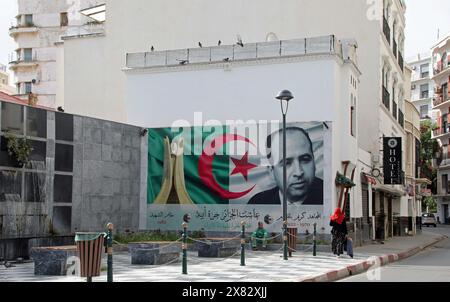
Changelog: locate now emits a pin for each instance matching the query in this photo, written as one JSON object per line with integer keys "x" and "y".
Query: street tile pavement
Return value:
{"x": 260, "y": 267}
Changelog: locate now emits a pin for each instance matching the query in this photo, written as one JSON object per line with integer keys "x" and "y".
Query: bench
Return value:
{"x": 52, "y": 261}
{"x": 218, "y": 247}
{"x": 154, "y": 252}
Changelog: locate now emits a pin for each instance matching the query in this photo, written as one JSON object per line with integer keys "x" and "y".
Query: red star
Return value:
{"x": 242, "y": 166}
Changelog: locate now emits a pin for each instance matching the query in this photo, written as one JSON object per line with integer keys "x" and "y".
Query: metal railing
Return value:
{"x": 386, "y": 98}
{"x": 227, "y": 53}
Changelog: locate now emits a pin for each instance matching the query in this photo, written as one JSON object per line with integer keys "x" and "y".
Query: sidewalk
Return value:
{"x": 260, "y": 266}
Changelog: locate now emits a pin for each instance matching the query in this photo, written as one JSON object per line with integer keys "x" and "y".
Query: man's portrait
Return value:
{"x": 302, "y": 185}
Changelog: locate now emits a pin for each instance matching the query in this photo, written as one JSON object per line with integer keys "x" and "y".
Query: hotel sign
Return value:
{"x": 392, "y": 160}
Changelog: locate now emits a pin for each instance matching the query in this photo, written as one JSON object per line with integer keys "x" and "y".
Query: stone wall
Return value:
{"x": 107, "y": 161}
{"x": 84, "y": 173}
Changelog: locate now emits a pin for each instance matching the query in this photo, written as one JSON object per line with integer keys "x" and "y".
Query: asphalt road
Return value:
{"x": 430, "y": 265}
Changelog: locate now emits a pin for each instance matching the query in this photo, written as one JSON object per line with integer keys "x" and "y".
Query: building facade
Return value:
{"x": 4, "y": 81}
{"x": 441, "y": 78}
{"x": 379, "y": 37}
{"x": 422, "y": 85}
{"x": 37, "y": 59}
{"x": 246, "y": 79}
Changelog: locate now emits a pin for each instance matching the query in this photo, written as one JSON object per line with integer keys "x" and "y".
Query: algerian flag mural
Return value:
{"x": 223, "y": 175}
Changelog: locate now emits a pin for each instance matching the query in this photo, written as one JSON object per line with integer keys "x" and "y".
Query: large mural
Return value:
{"x": 223, "y": 175}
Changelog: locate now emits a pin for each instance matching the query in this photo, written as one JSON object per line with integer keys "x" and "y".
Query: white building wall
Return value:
{"x": 180, "y": 24}
{"x": 245, "y": 91}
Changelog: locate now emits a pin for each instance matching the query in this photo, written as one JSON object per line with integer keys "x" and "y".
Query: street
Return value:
{"x": 430, "y": 265}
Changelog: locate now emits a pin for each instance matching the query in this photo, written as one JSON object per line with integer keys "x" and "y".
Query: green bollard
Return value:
{"x": 314, "y": 240}
{"x": 109, "y": 239}
{"x": 184, "y": 247}
{"x": 243, "y": 244}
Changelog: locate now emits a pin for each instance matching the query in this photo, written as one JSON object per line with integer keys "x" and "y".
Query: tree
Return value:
{"x": 429, "y": 148}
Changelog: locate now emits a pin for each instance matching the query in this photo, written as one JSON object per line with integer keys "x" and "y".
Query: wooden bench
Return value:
{"x": 52, "y": 261}
{"x": 218, "y": 247}
{"x": 154, "y": 252}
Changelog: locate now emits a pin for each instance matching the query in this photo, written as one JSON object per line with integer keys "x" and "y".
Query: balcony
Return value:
{"x": 386, "y": 30}
{"x": 15, "y": 64}
{"x": 386, "y": 98}
{"x": 401, "y": 118}
{"x": 26, "y": 28}
{"x": 441, "y": 70}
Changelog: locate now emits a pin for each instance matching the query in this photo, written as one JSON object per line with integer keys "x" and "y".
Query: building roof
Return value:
{"x": 4, "y": 97}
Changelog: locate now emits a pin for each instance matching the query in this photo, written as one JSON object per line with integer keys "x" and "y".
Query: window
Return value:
{"x": 444, "y": 60}
{"x": 424, "y": 70}
{"x": 445, "y": 91}
{"x": 27, "y": 87}
{"x": 353, "y": 117}
{"x": 394, "y": 110}
{"x": 424, "y": 91}
{"x": 423, "y": 111}
{"x": 64, "y": 20}
{"x": 444, "y": 183}
{"x": 28, "y": 54}
{"x": 29, "y": 20}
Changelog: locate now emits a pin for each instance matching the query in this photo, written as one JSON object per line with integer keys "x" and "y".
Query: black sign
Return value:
{"x": 392, "y": 160}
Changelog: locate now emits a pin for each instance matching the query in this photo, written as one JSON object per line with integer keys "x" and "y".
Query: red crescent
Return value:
{"x": 206, "y": 162}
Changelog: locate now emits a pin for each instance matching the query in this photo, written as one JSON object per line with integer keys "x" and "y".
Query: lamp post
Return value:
{"x": 284, "y": 97}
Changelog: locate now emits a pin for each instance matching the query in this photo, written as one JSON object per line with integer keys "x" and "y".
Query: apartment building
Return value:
{"x": 37, "y": 61}
{"x": 422, "y": 85}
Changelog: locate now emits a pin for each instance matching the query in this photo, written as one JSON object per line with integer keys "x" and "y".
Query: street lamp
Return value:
{"x": 284, "y": 97}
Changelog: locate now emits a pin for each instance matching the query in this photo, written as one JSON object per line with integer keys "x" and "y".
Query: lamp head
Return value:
{"x": 284, "y": 95}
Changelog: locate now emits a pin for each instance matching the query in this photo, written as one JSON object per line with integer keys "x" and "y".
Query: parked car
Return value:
{"x": 429, "y": 219}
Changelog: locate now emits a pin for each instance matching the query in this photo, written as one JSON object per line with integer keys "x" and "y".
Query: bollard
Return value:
{"x": 184, "y": 247}
{"x": 314, "y": 240}
{"x": 109, "y": 243}
{"x": 285, "y": 242}
{"x": 243, "y": 244}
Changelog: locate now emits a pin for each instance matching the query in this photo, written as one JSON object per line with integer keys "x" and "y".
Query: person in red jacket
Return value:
{"x": 338, "y": 232}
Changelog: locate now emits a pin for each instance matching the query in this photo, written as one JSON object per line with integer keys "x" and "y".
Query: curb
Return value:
{"x": 376, "y": 261}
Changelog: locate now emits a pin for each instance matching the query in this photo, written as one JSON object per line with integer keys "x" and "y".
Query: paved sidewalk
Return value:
{"x": 260, "y": 266}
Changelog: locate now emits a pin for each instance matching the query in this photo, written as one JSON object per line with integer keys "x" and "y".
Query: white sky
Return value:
{"x": 423, "y": 17}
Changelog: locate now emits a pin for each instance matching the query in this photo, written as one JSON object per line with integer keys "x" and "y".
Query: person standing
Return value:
{"x": 338, "y": 232}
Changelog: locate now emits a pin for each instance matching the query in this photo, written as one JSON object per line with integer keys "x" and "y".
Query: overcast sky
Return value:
{"x": 423, "y": 17}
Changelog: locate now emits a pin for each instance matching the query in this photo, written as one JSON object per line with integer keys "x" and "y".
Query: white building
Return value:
{"x": 136, "y": 26}
{"x": 234, "y": 83}
{"x": 40, "y": 25}
{"x": 422, "y": 85}
{"x": 4, "y": 81}
{"x": 441, "y": 78}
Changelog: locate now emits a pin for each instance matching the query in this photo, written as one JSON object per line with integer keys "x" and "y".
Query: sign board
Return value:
{"x": 392, "y": 160}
